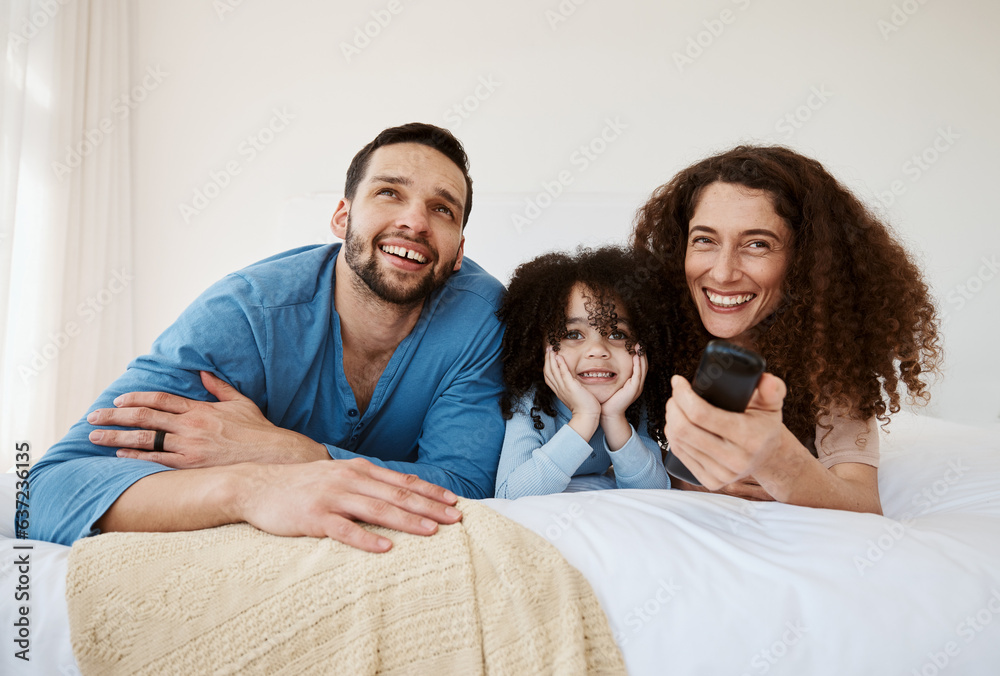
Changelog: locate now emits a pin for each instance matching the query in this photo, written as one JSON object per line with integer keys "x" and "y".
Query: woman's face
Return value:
{"x": 738, "y": 250}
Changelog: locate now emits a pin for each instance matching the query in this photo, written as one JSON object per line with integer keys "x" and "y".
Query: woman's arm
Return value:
{"x": 720, "y": 448}
{"x": 795, "y": 477}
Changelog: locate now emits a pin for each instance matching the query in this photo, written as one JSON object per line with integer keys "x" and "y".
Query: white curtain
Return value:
{"x": 65, "y": 233}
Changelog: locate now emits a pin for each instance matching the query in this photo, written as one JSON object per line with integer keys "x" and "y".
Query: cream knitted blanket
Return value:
{"x": 484, "y": 596}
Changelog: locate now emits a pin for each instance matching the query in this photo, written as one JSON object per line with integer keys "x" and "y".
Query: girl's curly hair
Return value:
{"x": 856, "y": 318}
{"x": 534, "y": 310}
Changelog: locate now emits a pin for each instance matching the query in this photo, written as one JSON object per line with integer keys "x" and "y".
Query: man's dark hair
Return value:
{"x": 437, "y": 138}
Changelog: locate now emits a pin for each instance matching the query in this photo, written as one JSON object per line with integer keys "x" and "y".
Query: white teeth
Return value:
{"x": 729, "y": 301}
{"x": 597, "y": 374}
{"x": 404, "y": 253}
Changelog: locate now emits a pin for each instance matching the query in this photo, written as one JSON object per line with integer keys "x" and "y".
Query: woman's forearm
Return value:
{"x": 795, "y": 477}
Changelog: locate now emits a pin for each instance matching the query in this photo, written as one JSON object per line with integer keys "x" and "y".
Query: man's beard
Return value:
{"x": 368, "y": 270}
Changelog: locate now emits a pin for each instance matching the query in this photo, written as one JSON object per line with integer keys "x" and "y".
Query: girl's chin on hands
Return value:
{"x": 571, "y": 392}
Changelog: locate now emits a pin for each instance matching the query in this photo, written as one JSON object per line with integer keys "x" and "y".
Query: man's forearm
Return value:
{"x": 451, "y": 477}
{"x": 322, "y": 499}
{"x": 178, "y": 501}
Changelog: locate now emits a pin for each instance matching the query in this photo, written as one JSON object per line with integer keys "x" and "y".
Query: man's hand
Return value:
{"x": 199, "y": 433}
{"x": 317, "y": 499}
{"x": 323, "y": 499}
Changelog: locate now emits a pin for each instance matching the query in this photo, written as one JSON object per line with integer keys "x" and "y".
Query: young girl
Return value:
{"x": 574, "y": 369}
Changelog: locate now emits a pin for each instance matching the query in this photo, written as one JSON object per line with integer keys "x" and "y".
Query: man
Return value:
{"x": 384, "y": 348}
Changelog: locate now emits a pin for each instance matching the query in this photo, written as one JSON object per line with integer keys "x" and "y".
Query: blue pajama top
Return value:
{"x": 271, "y": 330}
{"x": 539, "y": 462}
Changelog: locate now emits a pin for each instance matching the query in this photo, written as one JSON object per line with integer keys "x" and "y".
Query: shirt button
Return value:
{"x": 353, "y": 412}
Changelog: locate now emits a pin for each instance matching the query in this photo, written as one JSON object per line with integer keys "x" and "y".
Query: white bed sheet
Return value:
{"x": 705, "y": 584}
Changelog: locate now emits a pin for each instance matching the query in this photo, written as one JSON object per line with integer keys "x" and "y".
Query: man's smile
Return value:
{"x": 402, "y": 252}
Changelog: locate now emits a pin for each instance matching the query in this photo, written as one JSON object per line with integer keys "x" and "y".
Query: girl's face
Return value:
{"x": 601, "y": 363}
{"x": 738, "y": 251}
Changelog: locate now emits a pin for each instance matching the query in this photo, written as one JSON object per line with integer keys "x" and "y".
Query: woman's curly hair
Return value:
{"x": 534, "y": 310}
{"x": 856, "y": 319}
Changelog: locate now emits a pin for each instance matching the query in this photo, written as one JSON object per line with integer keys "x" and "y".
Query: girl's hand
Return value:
{"x": 720, "y": 447}
{"x": 617, "y": 429}
{"x": 582, "y": 404}
{"x": 616, "y": 405}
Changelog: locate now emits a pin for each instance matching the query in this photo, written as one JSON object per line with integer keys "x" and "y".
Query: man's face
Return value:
{"x": 402, "y": 230}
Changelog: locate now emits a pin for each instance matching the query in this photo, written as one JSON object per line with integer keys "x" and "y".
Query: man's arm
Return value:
{"x": 199, "y": 433}
{"x": 76, "y": 481}
{"x": 203, "y": 434}
{"x": 319, "y": 499}
{"x": 458, "y": 448}
{"x": 79, "y": 486}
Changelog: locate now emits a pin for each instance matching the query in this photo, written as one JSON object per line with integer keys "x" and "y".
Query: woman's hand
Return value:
{"x": 583, "y": 405}
{"x": 721, "y": 447}
{"x": 199, "y": 433}
{"x": 752, "y": 454}
{"x": 746, "y": 488}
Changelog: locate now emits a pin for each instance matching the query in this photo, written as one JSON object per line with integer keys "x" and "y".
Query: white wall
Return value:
{"x": 886, "y": 95}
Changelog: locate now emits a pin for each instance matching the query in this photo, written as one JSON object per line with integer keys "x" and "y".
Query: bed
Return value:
{"x": 708, "y": 584}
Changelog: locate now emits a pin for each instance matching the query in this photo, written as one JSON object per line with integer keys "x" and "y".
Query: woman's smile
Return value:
{"x": 737, "y": 254}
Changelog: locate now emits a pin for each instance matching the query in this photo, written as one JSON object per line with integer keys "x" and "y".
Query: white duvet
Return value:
{"x": 705, "y": 584}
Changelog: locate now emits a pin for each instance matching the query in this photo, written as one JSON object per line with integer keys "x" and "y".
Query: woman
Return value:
{"x": 769, "y": 251}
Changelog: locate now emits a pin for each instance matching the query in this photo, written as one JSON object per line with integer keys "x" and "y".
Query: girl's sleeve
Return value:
{"x": 639, "y": 464}
{"x": 531, "y": 466}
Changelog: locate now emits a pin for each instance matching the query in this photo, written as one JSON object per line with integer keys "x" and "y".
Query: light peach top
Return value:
{"x": 841, "y": 444}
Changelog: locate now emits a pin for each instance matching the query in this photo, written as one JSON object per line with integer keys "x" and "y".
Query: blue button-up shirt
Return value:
{"x": 272, "y": 331}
